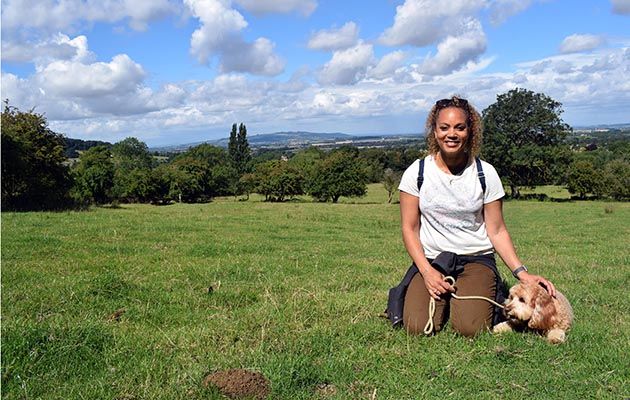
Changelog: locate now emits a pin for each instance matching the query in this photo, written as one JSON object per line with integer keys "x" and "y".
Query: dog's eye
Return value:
{"x": 522, "y": 300}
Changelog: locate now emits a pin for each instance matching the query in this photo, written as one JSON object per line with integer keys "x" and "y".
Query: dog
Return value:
{"x": 529, "y": 306}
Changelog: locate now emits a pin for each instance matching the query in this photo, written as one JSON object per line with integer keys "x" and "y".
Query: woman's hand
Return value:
{"x": 435, "y": 283}
{"x": 526, "y": 277}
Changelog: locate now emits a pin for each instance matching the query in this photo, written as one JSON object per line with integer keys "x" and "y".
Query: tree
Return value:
{"x": 202, "y": 173}
{"x": 521, "y": 131}
{"x": 583, "y": 178}
{"x": 617, "y": 179}
{"x": 160, "y": 185}
{"x": 239, "y": 151}
{"x": 133, "y": 164}
{"x": 341, "y": 173}
{"x": 34, "y": 174}
{"x": 233, "y": 145}
{"x": 391, "y": 180}
{"x": 94, "y": 176}
{"x": 247, "y": 184}
{"x": 277, "y": 180}
{"x": 244, "y": 152}
{"x": 131, "y": 153}
{"x": 305, "y": 161}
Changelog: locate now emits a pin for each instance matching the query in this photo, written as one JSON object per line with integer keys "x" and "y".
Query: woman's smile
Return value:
{"x": 451, "y": 131}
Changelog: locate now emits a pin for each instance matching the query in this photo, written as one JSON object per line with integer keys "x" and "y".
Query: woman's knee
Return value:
{"x": 415, "y": 324}
{"x": 471, "y": 329}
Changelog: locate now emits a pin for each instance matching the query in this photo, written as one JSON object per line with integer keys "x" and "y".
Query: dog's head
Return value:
{"x": 531, "y": 304}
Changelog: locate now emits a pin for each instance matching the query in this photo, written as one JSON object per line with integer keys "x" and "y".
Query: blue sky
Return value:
{"x": 171, "y": 72}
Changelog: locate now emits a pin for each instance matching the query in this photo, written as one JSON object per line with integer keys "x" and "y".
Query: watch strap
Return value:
{"x": 519, "y": 270}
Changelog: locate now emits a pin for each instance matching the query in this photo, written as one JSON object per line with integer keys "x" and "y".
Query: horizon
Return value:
{"x": 172, "y": 72}
{"x": 215, "y": 141}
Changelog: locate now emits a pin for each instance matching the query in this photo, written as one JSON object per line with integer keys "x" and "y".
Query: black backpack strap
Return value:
{"x": 420, "y": 174}
{"x": 480, "y": 174}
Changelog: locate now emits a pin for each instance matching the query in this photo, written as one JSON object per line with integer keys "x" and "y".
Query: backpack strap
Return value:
{"x": 480, "y": 175}
{"x": 421, "y": 174}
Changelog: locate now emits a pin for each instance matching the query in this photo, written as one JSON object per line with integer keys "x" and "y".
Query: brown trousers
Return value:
{"x": 468, "y": 317}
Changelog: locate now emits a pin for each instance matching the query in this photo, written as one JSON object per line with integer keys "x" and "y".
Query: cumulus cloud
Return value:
{"x": 456, "y": 51}
{"x": 304, "y": 7}
{"x": 335, "y": 39}
{"x": 420, "y": 22}
{"x": 57, "y": 47}
{"x": 387, "y": 65}
{"x": 71, "y": 78}
{"x": 501, "y": 10}
{"x": 58, "y": 15}
{"x": 219, "y": 35}
{"x": 75, "y": 86}
{"x": 621, "y": 7}
{"x": 347, "y": 66}
{"x": 576, "y": 43}
{"x": 257, "y": 58}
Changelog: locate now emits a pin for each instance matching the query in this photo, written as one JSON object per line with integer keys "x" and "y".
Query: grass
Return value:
{"x": 116, "y": 304}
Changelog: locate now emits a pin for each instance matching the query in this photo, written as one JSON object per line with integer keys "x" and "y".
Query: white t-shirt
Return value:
{"x": 451, "y": 207}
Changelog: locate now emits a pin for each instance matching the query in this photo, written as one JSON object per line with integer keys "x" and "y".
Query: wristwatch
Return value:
{"x": 519, "y": 270}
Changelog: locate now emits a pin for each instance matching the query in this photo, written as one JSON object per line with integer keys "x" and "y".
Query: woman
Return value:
{"x": 454, "y": 215}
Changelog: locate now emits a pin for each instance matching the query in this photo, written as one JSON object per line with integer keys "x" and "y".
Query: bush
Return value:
{"x": 617, "y": 179}
{"x": 583, "y": 179}
{"x": 34, "y": 174}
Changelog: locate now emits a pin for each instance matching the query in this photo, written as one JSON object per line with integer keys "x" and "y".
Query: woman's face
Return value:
{"x": 451, "y": 131}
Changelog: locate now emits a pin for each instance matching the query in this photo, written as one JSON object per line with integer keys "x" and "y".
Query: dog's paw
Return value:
{"x": 502, "y": 327}
{"x": 556, "y": 336}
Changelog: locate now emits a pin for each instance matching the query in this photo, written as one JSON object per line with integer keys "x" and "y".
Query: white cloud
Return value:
{"x": 621, "y": 6}
{"x": 257, "y": 58}
{"x": 347, "y": 66}
{"x": 218, "y": 21}
{"x": 501, "y": 10}
{"x": 71, "y": 78}
{"x": 576, "y": 43}
{"x": 304, "y": 7}
{"x": 387, "y": 65}
{"x": 335, "y": 39}
{"x": 421, "y": 22}
{"x": 456, "y": 51}
{"x": 55, "y": 15}
{"x": 78, "y": 88}
{"x": 219, "y": 35}
{"x": 57, "y": 47}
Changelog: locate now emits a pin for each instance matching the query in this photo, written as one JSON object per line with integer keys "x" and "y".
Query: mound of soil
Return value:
{"x": 239, "y": 383}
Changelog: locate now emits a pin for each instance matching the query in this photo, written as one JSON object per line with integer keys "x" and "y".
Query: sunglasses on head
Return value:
{"x": 457, "y": 102}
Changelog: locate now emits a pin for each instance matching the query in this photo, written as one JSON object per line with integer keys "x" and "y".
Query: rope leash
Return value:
{"x": 428, "y": 328}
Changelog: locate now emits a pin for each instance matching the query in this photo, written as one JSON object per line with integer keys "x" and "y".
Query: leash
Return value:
{"x": 428, "y": 328}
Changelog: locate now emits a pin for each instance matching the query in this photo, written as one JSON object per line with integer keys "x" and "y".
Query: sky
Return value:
{"x": 174, "y": 72}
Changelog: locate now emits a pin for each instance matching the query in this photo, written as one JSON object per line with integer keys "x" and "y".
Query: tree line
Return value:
{"x": 524, "y": 138}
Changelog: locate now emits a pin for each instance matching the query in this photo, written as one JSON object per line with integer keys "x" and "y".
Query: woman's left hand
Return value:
{"x": 539, "y": 280}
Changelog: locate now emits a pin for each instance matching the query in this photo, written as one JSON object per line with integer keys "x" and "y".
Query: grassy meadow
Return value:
{"x": 142, "y": 302}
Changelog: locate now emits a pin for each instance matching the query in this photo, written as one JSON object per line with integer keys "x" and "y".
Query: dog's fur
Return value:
{"x": 529, "y": 306}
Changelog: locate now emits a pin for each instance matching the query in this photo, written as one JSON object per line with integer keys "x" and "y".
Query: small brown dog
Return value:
{"x": 530, "y": 306}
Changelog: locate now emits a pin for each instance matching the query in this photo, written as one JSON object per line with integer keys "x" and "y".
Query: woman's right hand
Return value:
{"x": 435, "y": 283}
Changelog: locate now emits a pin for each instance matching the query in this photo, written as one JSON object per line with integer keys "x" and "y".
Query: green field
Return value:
{"x": 297, "y": 289}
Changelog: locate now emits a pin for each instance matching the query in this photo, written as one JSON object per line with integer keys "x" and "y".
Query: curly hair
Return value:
{"x": 473, "y": 120}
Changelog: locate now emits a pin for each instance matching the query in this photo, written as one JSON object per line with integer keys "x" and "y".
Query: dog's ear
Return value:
{"x": 544, "y": 310}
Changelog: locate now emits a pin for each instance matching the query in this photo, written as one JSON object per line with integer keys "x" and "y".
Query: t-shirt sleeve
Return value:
{"x": 409, "y": 180}
{"x": 494, "y": 187}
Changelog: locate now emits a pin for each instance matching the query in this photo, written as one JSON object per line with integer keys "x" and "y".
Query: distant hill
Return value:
{"x": 276, "y": 139}
{"x": 288, "y": 138}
